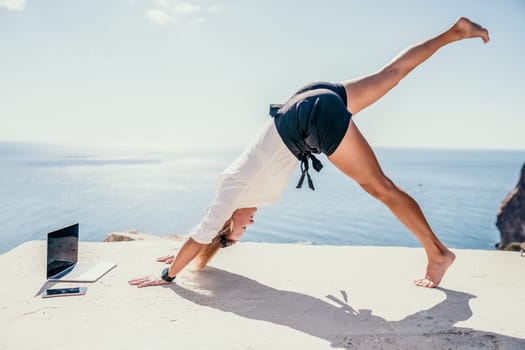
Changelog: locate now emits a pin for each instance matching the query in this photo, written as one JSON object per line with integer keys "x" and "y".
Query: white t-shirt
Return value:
{"x": 257, "y": 177}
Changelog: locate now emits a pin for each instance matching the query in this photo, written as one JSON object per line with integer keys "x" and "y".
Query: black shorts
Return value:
{"x": 314, "y": 119}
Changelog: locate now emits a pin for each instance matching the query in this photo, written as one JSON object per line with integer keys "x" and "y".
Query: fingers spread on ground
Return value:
{"x": 166, "y": 259}
{"x": 138, "y": 280}
{"x": 153, "y": 283}
{"x": 145, "y": 284}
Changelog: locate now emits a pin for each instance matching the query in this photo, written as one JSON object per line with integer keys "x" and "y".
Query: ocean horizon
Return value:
{"x": 162, "y": 192}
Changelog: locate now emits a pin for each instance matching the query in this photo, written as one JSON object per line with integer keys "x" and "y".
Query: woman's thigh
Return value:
{"x": 365, "y": 91}
{"x": 355, "y": 158}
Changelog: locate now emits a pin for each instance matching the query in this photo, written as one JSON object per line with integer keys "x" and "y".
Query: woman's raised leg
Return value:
{"x": 362, "y": 92}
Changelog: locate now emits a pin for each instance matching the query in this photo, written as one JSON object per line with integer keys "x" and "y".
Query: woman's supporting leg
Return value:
{"x": 362, "y": 92}
{"x": 355, "y": 158}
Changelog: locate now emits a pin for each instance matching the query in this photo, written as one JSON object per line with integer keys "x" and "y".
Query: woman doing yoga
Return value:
{"x": 317, "y": 119}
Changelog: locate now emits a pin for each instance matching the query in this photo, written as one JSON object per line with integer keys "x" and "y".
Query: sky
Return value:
{"x": 201, "y": 73}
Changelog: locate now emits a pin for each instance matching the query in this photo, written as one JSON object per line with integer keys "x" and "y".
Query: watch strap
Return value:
{"x": 165, "y": 275}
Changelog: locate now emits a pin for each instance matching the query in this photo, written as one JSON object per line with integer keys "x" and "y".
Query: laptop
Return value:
{"x": 62, "y": 257}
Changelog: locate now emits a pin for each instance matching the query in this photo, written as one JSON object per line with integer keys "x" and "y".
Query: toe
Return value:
{"x": 428, "y": 284}
{"x": 419, "y": 282}
{"x": 425, "y": 283}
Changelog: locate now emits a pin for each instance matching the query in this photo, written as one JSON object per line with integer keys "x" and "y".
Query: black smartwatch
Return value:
{"x": 165, "y": 275}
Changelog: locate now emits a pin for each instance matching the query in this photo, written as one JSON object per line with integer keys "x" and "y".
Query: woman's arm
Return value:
{"x": 217, "y": 214}
{"x": 186, "y": 254}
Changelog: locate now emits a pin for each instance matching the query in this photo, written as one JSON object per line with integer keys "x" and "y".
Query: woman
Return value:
{"x": 317, "y": 119}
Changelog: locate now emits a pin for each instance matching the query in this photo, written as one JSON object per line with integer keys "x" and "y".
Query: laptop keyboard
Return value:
{"x": 89, "y": 271}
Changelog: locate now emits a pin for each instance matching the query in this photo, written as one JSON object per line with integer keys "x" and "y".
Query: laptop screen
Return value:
{"x": 62, "y": 250}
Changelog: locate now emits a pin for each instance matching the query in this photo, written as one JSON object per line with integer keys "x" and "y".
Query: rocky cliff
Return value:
{"x": 511, "y": 215}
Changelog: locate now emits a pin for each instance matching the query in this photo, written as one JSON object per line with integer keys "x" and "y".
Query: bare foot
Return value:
{"x": 435, "y": 270}
{"x": 465, "y": 28}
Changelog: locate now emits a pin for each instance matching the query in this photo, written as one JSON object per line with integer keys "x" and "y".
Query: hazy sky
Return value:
{"x": 202, "y": 72}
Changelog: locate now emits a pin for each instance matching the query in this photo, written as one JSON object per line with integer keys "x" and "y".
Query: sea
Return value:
{"x": 167, "y": 191}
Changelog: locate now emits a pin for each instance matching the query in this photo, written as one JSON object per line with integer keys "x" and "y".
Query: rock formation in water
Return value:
{"x": 133, "y": 235}
{"x": 511, "y": 215}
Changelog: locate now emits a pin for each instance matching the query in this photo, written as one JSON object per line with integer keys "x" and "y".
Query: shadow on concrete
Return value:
{"x": 341, "y": 325}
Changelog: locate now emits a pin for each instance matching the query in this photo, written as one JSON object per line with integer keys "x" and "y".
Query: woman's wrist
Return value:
{"x": 165, "y": 275}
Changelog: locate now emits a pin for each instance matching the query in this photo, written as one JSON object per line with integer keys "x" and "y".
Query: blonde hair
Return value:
{"x": 209, "y": 250}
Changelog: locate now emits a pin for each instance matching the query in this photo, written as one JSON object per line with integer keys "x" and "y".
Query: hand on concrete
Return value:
{"x": 147, "y": 282}
{"x": 168, "y": 259}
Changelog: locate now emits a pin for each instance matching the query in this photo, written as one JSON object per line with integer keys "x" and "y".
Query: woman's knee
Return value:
{"x": 383, "y": 189}
{"x": 392, "y": 75}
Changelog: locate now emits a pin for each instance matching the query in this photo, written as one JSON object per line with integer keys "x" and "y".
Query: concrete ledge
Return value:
{"x": 268, "y": 296}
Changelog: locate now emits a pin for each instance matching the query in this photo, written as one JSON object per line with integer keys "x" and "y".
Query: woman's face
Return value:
{"x": 242, "y": 218}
